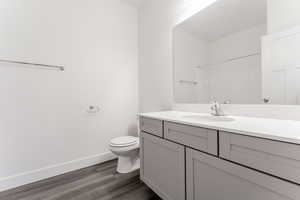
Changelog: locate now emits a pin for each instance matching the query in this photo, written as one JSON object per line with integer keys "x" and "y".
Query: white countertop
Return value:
{"x": 281, "y": 130}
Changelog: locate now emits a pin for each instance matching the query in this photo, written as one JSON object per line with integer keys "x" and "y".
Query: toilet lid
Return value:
{"x": 124, "y": 141}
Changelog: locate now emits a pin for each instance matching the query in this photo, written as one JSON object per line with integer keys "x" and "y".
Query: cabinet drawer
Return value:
{"x": 212, "y": 178}
{"x": 277, "y": 158}
{"x": 199, "y": 138}
{"x": 152, "y": 126}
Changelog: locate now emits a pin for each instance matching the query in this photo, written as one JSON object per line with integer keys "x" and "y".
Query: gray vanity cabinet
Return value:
{"x": 183, "y": 162}
{"x": 211, "y": 178}
{"x": 163, "y": 166}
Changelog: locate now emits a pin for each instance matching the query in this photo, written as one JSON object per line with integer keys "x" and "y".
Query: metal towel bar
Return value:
{"x": 188, "y": 82}
{"x": 61, "y": 68}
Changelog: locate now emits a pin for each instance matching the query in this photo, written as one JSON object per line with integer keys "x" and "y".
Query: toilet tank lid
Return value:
{"x": 124, "y": 141}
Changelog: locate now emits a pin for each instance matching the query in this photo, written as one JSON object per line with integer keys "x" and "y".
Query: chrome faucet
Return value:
{"x": 217, "y": 109}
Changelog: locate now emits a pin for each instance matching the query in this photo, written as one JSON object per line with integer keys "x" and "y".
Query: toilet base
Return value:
{"x": 128, "y": 164}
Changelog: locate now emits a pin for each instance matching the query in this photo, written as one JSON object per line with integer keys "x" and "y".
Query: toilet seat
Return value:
{"x": 124, "y": 141}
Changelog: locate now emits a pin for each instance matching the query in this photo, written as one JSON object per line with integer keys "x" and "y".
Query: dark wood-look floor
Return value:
{"x": 99, "y": 182}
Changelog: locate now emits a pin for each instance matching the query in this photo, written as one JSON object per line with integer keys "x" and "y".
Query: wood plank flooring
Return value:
{"x": 99, "y": 182}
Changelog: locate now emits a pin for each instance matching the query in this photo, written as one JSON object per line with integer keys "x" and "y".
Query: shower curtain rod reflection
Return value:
{"x": 42, "y": 66}
{"x": 231, "y": 59}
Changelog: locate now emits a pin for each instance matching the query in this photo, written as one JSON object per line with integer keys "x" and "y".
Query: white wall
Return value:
{"x": 189, "y": 52}
{"x": 155, "y": 57}
{"x": 44, "y": 127}
{"x": 283, "y": 14}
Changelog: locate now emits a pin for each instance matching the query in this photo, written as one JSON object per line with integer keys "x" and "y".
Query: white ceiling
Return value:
{"x": 225, "y": 17}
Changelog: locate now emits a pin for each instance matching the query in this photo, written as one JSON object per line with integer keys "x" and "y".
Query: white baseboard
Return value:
{"x": 54, "y": 170}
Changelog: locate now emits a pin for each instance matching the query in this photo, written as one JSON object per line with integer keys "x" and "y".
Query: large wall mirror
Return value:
{"x": 222, "y": 53}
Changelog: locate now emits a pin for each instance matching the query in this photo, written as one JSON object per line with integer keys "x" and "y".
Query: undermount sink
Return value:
{"x": 210, "y": 118}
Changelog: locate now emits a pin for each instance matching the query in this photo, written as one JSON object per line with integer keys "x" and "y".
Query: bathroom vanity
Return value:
{"x": 197, "y": 156}
{"x": 226, "y": 53}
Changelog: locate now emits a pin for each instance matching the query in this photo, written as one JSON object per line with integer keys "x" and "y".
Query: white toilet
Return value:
{"x": 127, "y": 150}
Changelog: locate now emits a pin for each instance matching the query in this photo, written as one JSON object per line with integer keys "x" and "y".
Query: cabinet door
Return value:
{"x": 162, "y": 167}
{"x": 211, "y": 178}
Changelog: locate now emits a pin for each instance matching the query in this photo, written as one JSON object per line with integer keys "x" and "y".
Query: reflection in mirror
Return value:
{"x": 217, "y": 53}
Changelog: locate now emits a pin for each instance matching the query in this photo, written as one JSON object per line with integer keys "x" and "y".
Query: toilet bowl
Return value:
{"x": 127, "y": 150}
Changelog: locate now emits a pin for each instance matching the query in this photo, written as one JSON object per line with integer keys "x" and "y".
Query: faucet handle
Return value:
{"x": 215, "y": 104}
{"x": 216, "y": 108}
{"x": 227, "y": 102}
